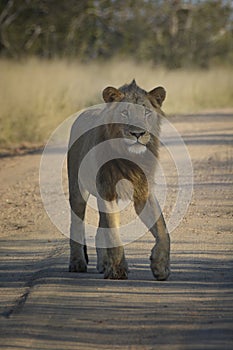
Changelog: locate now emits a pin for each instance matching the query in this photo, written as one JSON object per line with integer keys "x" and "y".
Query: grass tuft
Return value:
{"x": 36, "y": 95}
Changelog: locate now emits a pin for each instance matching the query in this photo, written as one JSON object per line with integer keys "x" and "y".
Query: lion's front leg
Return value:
{"x": 117, "y": 267}
{"x": 110, "y": 252}
{"x": 78, "y": 257}
{"x": 78, "y": 249}
{"x": 150, "y": 213}
{"x": 101, "y": 250}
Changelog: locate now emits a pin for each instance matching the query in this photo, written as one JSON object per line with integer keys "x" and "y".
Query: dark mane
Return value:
{"x": 131, "y": 90}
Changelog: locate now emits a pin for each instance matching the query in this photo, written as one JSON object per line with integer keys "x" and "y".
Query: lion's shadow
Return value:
{"x": 87, "y": 311}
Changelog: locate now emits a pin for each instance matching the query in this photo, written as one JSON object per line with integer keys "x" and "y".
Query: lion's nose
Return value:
{"x": 137, "y": 134}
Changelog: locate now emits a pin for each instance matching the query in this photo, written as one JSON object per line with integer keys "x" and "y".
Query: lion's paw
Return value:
{"x": 78, "y": 266}
{"x": 160, "y": 264}
{"x": 160, "y": 274}
{"x": 100, "y": 267}
{"x": 116, "y": 273}
{"x": 102, "y": 260}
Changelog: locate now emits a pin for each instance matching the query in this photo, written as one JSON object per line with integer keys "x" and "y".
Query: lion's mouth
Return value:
{"x": 137, "y": 148}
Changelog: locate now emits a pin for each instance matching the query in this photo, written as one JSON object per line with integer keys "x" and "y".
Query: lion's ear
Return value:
{"x": 158, "y": 94}
{"x": 111, "y": 94}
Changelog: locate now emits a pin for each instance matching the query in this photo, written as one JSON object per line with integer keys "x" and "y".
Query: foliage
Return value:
{"x": 174, "y": 33}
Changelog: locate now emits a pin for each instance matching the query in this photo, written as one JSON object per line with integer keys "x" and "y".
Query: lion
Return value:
{"x": 128, "y": 126}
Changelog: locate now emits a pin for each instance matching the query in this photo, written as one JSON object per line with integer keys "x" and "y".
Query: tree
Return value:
{"x": 175, "y": 33}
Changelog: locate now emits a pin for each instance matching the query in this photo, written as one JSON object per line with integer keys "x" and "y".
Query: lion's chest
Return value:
{"x": 121, "y": 179}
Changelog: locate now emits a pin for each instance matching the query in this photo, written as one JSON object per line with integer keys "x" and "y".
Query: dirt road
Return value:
{"x": 43, "y": 306}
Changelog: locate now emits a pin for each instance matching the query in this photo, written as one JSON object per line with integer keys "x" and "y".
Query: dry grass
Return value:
{"x": 35, "y": 96}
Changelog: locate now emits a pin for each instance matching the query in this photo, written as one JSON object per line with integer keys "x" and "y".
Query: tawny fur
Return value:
{"x": 141, "y": 135}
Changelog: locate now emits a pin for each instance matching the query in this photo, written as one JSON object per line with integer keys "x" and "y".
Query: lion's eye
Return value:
{"x": 124, "y": 113}
{"x": 148, "y": 112}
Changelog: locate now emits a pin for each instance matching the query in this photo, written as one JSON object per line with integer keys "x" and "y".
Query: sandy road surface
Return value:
{"x": 45, "y": 307}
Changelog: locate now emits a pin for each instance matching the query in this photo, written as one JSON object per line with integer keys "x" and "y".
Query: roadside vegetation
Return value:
{"x": 56, "y": 57}
{"x": 36, "y": 95}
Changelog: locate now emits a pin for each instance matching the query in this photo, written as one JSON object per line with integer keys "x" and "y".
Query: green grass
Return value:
{"x": 35, "y": 95}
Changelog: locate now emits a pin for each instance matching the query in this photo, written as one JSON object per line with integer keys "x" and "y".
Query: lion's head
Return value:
{"x": 136, "y": 118}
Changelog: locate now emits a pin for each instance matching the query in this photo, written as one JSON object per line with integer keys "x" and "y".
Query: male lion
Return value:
{"x": 131, "y": 130}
